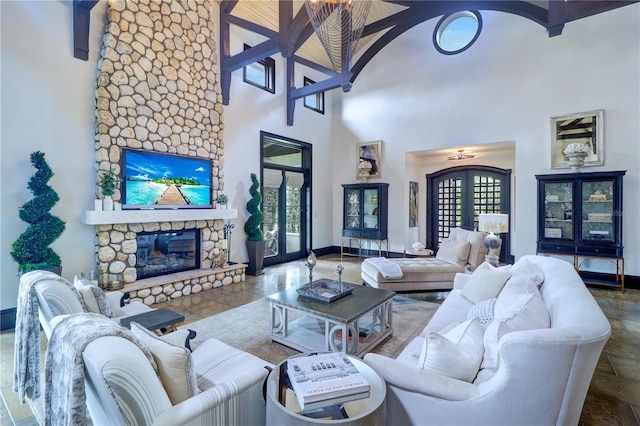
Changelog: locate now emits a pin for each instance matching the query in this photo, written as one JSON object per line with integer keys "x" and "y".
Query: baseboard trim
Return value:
{"x": 8, "y": 319}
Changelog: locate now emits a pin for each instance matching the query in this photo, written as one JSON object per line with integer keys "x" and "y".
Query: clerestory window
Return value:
{"x": 456, "y": 32}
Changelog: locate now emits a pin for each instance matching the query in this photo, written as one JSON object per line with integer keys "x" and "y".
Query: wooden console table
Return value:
{"x": 577, "y": 264}
{"x": 380, "y": 242}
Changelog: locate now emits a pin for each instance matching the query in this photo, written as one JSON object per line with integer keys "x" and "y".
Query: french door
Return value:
{"x": 285, "y": 198}
{"x": 457, "y": 195}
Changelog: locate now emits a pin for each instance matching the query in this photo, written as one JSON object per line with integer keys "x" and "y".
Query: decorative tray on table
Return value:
{"x": 325, "y": 290}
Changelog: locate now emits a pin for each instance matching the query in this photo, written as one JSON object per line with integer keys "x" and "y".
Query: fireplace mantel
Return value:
{"x": 145, "y": 216}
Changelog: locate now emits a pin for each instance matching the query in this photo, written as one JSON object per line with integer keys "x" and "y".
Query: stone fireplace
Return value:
{"x": 157, "y": 90}
{"x": 165, "y": 252}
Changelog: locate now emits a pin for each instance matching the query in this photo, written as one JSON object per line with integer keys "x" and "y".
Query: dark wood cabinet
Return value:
{"x": 365, "y": 210}
{"x": 580, "y": 214}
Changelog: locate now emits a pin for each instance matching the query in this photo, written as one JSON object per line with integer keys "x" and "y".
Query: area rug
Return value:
{"x": 246, "y": 328}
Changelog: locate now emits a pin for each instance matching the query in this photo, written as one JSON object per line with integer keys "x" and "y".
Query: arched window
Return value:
{"x": 457, "y": 195}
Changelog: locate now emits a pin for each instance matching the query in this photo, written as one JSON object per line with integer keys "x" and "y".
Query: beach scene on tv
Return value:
{"x": 152, "y": 179}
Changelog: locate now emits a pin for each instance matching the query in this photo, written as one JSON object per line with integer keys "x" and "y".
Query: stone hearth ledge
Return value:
{"x": 172, "y": 286}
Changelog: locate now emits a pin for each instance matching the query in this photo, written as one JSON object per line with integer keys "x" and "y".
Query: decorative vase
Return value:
{"x": 576, "y": 160}
{"x": 107, "y": 203}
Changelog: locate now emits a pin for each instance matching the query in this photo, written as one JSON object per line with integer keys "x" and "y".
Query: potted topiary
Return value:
{"x": 31, "y": 250}
{"x": 108, "y": 182}
{"x": 222, "y": 200}
{"x": 253, "y": 229}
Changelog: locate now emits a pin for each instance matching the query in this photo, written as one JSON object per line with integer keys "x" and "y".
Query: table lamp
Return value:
{"x": 495, "y": 224}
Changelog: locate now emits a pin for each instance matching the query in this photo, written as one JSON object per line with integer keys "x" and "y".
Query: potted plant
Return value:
{"x": 222, "y": 200}
{"x": 253, "y": 229}
{"x": 31, "y": 250}
{"x": 108, "y": 182}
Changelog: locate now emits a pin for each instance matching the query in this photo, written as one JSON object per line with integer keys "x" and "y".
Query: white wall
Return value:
{"x": 47, "y": 105}
{"x": 504, "y": 88}
{"x": 252, "y": 110}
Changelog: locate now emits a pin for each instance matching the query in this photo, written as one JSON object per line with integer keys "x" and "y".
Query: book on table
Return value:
{"x": 363, "y": 335}
{"x": 325, "y": 379}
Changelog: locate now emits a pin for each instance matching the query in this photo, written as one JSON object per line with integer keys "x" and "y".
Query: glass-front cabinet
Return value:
{"x": 365, "y": 210}
{"x": 580, "y": 214}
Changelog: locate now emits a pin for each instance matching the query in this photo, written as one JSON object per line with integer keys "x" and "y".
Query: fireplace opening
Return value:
{"x": 166, "y": 252}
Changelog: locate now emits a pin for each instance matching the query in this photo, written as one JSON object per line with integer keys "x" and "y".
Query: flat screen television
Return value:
{"x": 154, "y": 180}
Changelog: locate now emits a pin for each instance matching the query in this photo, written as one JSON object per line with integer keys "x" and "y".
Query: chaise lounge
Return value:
{"x": 461, "y": 250}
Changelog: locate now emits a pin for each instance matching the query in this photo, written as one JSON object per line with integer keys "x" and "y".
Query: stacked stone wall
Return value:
{"x": 157, "y": 90}
{"x": 116, "y": 246}
{"x": 163, "y": 293}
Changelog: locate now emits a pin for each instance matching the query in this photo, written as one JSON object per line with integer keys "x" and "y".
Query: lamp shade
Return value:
{"x": 493, "y": 223}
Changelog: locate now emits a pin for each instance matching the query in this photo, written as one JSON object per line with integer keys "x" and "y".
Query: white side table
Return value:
{"x": 364, "y": 412}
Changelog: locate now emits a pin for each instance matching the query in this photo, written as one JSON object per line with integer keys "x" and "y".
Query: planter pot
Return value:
{"x": 107, "y": 203}
{"x": 255, "y": 250}
{"x": 222, "y": 206}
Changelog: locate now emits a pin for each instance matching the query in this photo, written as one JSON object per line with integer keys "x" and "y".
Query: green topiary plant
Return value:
{"x": 31, "y": 250}
{"x": 108, "y": 182}
{"x": 252, "y": 226}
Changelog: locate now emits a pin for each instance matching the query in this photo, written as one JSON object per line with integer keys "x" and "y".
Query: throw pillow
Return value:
{"x": 456, "y": 354}
{"x": 94, "y": 298}
{"x": 486, "y": 282}
{"x": 454, "y": 251}
{"x": 517, "y": 308}
{"x": 174, "y": 365}
{"x": 483, "y": 311}
{"x": 528, "y": 269}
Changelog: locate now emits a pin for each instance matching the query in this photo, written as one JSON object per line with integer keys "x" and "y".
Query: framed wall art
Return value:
{"x": 413, "y": 204}
{"x": 582, "y": 129}
{"x": 368, "y": 155}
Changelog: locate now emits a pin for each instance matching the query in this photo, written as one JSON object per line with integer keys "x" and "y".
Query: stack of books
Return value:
{"x": 325, "y": 379}
{"x": 363, "y": 335}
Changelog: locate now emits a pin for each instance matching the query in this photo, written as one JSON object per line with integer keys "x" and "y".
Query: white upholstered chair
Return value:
{"x": 122, "y": 387}
{"x": 57, "y": 296}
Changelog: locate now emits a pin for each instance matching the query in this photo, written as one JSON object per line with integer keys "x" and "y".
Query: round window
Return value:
{"x": 456, "y": 32}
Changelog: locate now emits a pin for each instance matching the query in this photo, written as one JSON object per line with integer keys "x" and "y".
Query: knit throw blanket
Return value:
{"x": 64, "y": 365}
{"x": 26, "y": 355}
{"x": 387, "y": 268}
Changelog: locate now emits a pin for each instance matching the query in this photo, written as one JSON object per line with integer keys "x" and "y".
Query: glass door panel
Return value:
{"x": 270, "y": 203}
{"x": 293, "y": 210}
{"x": 558, "y": 204}
{"x": 370, "y": 213}
{"x": 597, "y": 211}
{"x": 353, "y": 208}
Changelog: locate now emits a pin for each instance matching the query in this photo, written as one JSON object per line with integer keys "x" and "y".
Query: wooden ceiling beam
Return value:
{"x": 81, "y": 25}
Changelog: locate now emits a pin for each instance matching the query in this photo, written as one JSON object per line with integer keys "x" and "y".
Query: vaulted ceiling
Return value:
{"x": 285, "y": 27}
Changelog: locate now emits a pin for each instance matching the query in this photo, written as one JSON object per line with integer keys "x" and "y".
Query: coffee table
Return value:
{"x": 162, "y": 319}
{"x": 283, "y": 408}
{"x": 310, "y": 325}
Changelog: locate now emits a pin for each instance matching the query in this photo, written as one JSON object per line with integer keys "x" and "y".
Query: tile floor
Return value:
{"x": 613, "y": 399}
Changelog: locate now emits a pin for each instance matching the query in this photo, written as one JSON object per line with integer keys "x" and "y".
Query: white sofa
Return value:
{"x": 462, "y": 250}
{"x": 542, "y": 375}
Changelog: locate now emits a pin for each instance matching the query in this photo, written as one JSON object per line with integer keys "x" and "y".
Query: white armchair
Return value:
{"x": 122, "y": 387}
{"x": 57, "y": 296}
